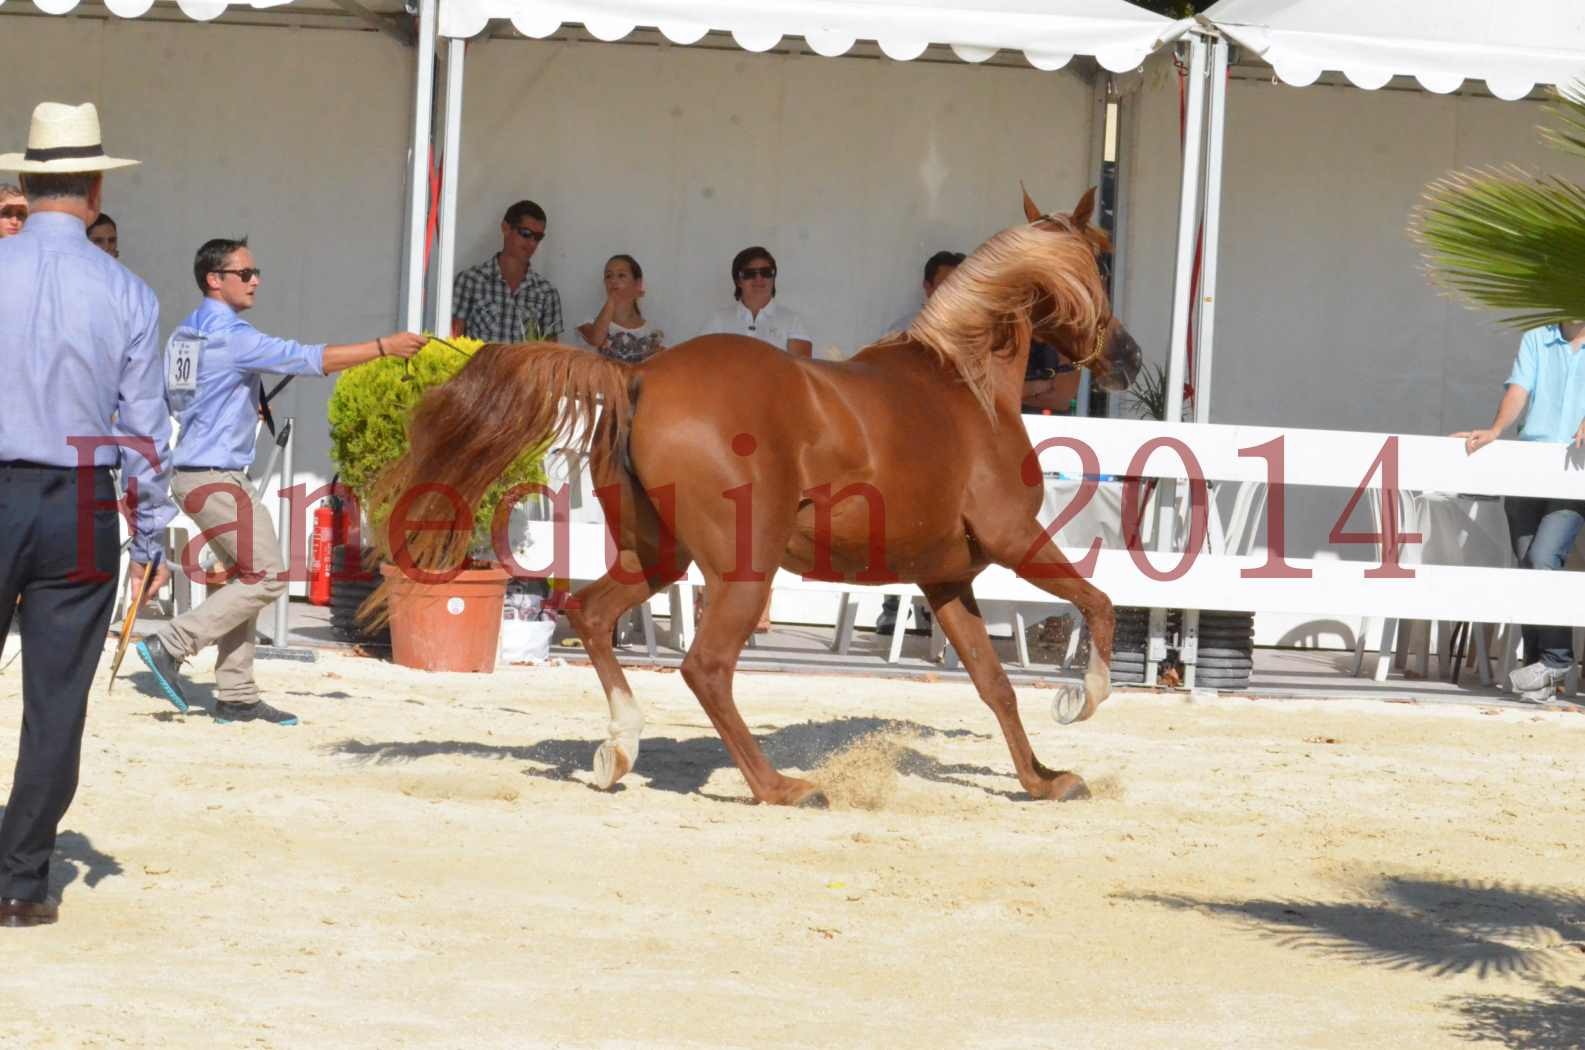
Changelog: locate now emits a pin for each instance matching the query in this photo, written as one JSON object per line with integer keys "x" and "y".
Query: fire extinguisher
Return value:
{"x": 319, "y": 555}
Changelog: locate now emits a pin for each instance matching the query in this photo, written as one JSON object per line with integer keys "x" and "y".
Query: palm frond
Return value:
{"x": 1508, "y": 240}
{"x": 1568, "y": 112}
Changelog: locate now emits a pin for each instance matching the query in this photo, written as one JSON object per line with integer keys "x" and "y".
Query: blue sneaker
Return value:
{"x": 228, "y": 711}
{"x": 165, "y": 667}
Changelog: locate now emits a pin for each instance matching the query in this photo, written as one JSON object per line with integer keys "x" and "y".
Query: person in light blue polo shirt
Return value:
{"x": 1547, "y": 387}
{"x": 214, "y": 364}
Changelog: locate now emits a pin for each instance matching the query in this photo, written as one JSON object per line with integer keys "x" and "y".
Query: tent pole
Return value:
{"x": 418, "y": 180}
{"x": 1213, "y": 218}
{"x": 1188, "y": 213}
{"x": 446, "y": 261}
{"x": 1182, "y": 310}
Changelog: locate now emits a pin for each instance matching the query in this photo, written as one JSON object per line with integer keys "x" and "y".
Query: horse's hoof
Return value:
{"x": 1068, "y": 705}
{"x": 610, "y": 765}
{"x": 814, "y": 800}
{"x": 1069, "y": 787}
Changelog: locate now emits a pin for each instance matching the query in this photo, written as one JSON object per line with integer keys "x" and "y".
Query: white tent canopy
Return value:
{"x": 198, "y": 10}
{"x": 1048, "y": 32}
{"x": 1512, "y": 45}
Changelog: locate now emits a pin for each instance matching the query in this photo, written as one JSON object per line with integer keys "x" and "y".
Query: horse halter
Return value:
{"x": 1100, "y": 345}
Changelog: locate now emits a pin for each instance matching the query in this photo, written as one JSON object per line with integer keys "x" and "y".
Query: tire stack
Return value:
{"x": 347, "y": 595}
{"x": 1129, "y": 642}
{"x": 1224, "y": 656}
{"x": 1225, "y": 653}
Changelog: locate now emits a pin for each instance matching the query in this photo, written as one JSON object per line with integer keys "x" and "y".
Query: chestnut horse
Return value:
{"x": 725, "y": 452}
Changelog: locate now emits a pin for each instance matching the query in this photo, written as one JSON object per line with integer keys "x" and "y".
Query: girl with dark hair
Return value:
{"x": 756, "y": 312}
{"x": 619, "y": 329}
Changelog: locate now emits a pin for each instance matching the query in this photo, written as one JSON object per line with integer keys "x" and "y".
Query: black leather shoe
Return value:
{"x": 167, "y": 671}
{"x": 14, "y": 912}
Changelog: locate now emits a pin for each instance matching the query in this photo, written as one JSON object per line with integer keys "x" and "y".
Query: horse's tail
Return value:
{"x": 466, "y": 432}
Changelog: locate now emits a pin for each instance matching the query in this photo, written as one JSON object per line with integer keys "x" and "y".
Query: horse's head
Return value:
{"x": 1109, "y": 352}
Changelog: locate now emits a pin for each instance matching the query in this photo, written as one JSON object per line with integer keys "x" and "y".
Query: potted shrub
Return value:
{"x": 451, "y": 621}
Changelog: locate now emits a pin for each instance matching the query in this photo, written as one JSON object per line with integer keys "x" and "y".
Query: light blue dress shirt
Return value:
{"x": 80, "y": 357}
{"x": 1554, "y": 374}
{"x": 219, "y": 420}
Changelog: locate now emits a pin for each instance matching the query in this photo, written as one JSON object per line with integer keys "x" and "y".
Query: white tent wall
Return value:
{"x": 851, "y": 171}
{"x": 1324, "y": 317}
{"x": 296, "y": 138}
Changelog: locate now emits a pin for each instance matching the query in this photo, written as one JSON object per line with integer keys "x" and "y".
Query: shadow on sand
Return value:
{"x": 685, "y": 766}
{"x": 1443, "y": 928}
{"x": 76, "y": 858}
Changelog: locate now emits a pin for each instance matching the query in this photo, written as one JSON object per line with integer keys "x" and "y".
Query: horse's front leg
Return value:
{"x": 1028, "y": 552}
{"x": 959, "y": 616}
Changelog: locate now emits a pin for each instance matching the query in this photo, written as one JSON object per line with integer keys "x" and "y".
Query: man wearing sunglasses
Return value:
{"x": 503, "y": 299}
{"x": 214, "y": 367}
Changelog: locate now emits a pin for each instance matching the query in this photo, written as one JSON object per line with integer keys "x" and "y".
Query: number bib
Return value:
{"x": 181, "y": 362}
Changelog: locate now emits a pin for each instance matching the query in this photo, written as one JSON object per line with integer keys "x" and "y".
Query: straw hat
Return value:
{"x": 63, "y": 140}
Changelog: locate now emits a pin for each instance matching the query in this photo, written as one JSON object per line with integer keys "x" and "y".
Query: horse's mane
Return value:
{"x": 986, "y": 307}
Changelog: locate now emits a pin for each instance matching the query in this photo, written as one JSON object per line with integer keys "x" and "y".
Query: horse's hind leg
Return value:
{"x": 595, "y": 611}
{"x": 729, "y": 619}
{"x": 959, "y": 616}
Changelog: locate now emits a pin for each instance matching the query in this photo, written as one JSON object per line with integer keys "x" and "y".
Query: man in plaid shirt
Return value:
{"x": 503, "y": 300}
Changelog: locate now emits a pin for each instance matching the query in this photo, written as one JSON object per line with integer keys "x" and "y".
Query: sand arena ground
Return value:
{"x": 422, "y": 863}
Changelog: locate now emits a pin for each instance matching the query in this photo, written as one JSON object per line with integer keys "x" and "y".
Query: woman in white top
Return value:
{"x": 756, "y": 312}
{"x": 619, "y": 329}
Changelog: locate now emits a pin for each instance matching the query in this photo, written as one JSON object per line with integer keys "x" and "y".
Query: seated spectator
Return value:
{"x": 938, "y": 268}
{"x": 619, "y": 329}
{"x": 504, "y": 299}
{"x": 1051, "y": 383}
{"x": 103, "y": 234}
{"x": 1547, "y": 387}
{"x": 13, "y": 209}
{"x": 756, "y": 312}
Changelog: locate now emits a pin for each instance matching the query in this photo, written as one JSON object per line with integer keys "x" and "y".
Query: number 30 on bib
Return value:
{"x": 181, "y": 362}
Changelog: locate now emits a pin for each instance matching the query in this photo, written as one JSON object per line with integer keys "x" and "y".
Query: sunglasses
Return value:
{"x": 750, "y": 272}
{"x": 528, "y": 234}
{"x": 246, "y": 274}
{"x": 13, "y": 212}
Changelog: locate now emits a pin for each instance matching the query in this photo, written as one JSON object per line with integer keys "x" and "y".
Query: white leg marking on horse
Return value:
{"x": 614, "y": 758}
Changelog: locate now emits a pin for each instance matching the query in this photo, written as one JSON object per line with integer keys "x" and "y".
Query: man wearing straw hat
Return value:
{"x": 83, "y": 387}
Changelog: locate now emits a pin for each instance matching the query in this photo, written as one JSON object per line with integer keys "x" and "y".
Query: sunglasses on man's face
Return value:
{"x": 246, "y": 274}
{"x": 529, "y": 235}
{"x": 14, "y": 211}
{"x": 751, "y": 272}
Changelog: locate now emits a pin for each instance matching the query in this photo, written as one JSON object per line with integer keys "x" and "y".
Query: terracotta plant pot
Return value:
{"x": 451, "y": 626}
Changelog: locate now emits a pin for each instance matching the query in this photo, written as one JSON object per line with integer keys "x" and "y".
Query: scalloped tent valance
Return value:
{"x": 198, "y": 10}
{"x": 1512, "y": 46}
{"x": 1048, "y": 32}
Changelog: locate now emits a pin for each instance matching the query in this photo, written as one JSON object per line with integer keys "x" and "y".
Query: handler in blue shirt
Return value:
{"x": 79, "y": 346}
{"x": 215, "y": 360}
{"x": 1548, "y": 379}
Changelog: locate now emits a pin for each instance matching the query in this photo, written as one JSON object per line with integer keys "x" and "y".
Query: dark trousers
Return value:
{"x": 1543, "y": 533}
{"x": 65, "y": 613}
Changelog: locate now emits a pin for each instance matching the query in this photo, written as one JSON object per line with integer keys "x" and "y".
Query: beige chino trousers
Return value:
{"x": 229, "y": 617}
